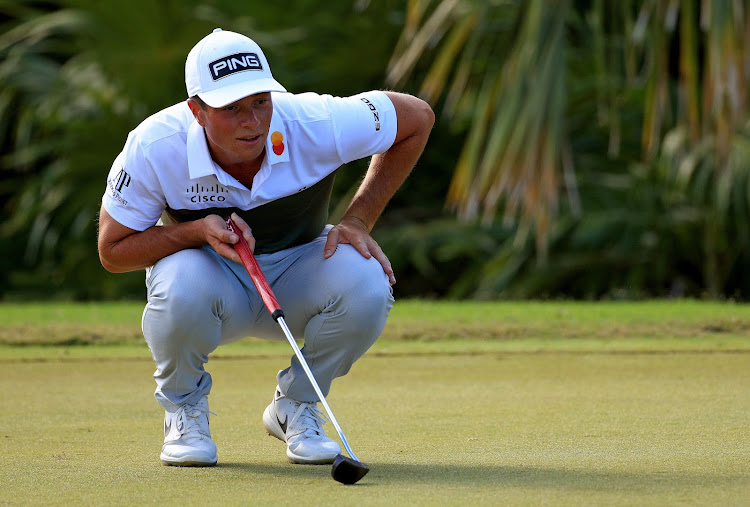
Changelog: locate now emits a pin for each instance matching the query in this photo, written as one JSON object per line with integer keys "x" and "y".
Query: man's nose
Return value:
{"x": 249, "y": 119}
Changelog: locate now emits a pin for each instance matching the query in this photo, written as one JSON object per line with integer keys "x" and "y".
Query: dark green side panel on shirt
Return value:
{"x": 284, "y": 223}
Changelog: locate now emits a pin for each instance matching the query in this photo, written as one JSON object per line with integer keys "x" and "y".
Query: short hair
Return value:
{"x": 199, "y": 101}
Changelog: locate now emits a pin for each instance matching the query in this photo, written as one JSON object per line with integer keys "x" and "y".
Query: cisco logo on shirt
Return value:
{"x": 199, "y": 193}
{"x": 232, "y": 64}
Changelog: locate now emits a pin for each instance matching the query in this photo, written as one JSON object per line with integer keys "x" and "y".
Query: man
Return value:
{"x": 241, "y": 146}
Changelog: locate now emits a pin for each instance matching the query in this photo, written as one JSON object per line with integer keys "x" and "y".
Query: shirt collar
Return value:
{"x": 200, "y": 163}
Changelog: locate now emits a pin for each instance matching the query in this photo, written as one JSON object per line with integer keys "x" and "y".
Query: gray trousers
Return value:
{"x": 197, "y": 300}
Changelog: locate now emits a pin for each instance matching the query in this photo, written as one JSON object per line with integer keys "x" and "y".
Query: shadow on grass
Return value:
{"x": 462, "y": 475}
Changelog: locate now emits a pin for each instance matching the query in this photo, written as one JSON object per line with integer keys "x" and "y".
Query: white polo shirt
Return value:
{"x": 165, "y": 169}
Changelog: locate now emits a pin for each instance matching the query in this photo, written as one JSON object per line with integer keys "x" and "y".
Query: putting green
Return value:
{"x": 553, "y": 428}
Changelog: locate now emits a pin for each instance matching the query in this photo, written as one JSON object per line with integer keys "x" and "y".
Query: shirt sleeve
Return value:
{"x": 364, "y": 124}
{"x": 132, "y": 196}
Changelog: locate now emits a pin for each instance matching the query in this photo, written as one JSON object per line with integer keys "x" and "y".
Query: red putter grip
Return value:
{"x": 256, "y": 275}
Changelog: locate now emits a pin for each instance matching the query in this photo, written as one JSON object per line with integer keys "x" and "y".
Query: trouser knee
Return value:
{"x": 367, "y": 310}
{"x": 351, "y": 322}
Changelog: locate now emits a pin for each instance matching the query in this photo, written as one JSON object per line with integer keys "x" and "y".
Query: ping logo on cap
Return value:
{"x": 238, "y": 62}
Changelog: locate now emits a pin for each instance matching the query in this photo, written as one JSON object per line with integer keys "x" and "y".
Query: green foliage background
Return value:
{"x": 584, "y": 149}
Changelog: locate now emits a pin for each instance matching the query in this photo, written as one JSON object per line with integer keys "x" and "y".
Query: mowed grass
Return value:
{"x": 63, "y": 331}
{"x": 494, "y": 404}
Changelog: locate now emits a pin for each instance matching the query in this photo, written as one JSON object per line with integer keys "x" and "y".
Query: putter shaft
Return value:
{"x": 273, "y": 307}
{"x": 314, "y": 383}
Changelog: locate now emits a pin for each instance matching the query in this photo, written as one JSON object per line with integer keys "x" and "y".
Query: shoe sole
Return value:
{"x": 187, "y": 461}
{"x": 296, "y": 460}
{"x": 274, "y": 430}
{"x": 187, "y": 464}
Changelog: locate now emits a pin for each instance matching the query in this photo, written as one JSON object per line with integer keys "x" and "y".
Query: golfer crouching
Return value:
{"x": 241, "y": 146}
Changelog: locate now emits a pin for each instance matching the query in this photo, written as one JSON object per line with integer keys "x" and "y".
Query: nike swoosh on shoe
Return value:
{"x": 282, "y": 424}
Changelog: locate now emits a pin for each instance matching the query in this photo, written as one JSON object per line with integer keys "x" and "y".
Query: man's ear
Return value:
{"x": 197, "y": 111}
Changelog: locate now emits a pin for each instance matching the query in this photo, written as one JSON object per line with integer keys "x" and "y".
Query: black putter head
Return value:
{"x": 348, "y": 471}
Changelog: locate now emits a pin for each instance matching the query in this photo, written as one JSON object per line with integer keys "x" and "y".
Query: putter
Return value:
{"x": 346, "y": 470}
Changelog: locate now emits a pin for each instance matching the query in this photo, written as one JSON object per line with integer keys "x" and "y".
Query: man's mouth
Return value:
{"x": 249, "y": 138}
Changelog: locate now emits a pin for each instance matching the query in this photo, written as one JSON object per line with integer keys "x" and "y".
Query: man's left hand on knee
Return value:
{"x": 354, "y": 232}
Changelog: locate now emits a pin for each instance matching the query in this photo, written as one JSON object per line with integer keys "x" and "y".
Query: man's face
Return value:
{"x": 237, "y": 132}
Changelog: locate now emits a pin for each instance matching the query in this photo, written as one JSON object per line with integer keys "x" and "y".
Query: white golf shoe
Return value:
{"x": 187, "y": 438}
{"x": 300, "y": 425}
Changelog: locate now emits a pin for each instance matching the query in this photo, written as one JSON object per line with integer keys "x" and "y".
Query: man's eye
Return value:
{"x": 230, "y": 108}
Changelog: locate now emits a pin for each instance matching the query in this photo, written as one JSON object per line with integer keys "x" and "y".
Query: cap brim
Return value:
{"x": 233, "y": 93}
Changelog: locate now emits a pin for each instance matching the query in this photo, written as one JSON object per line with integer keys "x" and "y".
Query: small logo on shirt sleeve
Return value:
{"x": 116, "y": 185}
{"x": 122, "y": 180}
{"x": 375, "y": 113}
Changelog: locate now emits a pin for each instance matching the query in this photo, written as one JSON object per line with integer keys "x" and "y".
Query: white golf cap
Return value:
{"x": 225, "y": 67}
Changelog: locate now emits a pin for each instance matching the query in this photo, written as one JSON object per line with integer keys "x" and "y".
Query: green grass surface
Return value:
{"x": 511, "y": 404}
{"x": 60, "y": 331}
